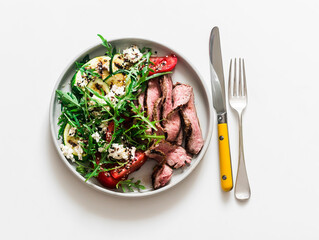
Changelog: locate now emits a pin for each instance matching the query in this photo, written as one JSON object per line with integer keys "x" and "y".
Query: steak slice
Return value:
{"x": 176, "y": 156}
{"x": 157, "y": 155}
{"x": 194, "y": 139}
{"x": 171, "y": 119}
{"x": 180, "y": 97}
{"x": 157, "y": 116}
{"x": 141, "y": 99}
{"x": 153, "y": 92}
{"x": 181, "y": 94}
{"x": 179, "y": 139}
{"x": 167, "y": 89}
{"x": 172, "y": 125}
{"x": 161, "y": 176}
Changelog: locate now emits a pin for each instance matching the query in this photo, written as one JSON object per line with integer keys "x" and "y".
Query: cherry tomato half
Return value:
{"x": 163, "y": 64}
{"x": 133, "y": 165}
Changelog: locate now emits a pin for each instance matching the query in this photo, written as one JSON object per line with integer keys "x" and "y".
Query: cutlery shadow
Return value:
{"x": 116, "y": 208}
{"x": 242, "y": 202}
{"x": 225, "y": 195}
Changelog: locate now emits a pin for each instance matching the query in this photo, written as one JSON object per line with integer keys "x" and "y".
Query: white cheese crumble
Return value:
{"x": 132, "y": 54}
{"x": 67, "y": 152}
{"x": 79, "y": 151}
{"x": 118, "y": 91}
{"x": 81, "y": 81}
{"x": 118, "y": 151}
{"x": 103, "y": 126}
{"x": 99, "y": 100}
{"x": 133, "y": 150}
{"x": 96, "y": 136}
{"x": 115, "y": 91}
{"x": 72, "y": 131}
{"x": 111, "y": 96}
{"x": 106, "y": 63}
{"x": 101, "y": 149}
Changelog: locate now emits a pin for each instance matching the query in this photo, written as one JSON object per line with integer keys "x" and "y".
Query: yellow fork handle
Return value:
{"x": 224, "y": 158}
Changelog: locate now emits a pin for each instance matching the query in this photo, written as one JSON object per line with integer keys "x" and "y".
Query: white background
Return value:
{"x": 280, "y": 43}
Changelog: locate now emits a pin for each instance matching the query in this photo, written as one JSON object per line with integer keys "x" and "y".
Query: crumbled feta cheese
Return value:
{"x": 81, "y": 81}
{"x": 67, "y": 152}
{"x": 72, "y": 131}
{"x": 96, "y": 136}
{"x": 79, "y": 151}
{"x": 111, "y": 96}
{"x": 99, "y": 100}
{"x": 133, "y": 150}
{"x": 119, "y": 91}
{"x": 101, "y": 149}
{"x": 106, "y": 63}
{"x": 132, "y": 54}
{"x": 103, "y": 126}
{"x": 118, "y": 151}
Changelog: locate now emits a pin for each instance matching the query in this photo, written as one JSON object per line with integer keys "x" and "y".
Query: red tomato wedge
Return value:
{"x": 130, "y": 167}
{"x": 109, "y": 131}
{"x": 105, "y": 178}
{"x": 163, "y": 64}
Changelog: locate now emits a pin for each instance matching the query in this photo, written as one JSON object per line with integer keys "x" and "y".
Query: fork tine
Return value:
{"x": 235, "y": 82}
{"x": 240, "y": 90}
{"x": 244, "y": 76}
{"x": 229, "y": 80}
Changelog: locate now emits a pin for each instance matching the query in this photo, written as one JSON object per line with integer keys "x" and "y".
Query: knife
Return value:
{"x": 218, "y": 91}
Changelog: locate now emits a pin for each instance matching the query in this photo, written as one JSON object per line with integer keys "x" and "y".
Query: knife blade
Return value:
{"x": 219, "y": 103}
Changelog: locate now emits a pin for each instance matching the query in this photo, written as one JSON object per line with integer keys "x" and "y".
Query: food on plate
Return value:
{"x": 123, "y": 110}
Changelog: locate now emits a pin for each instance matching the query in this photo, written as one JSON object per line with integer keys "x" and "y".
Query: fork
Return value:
{"x": 237, "y": 97}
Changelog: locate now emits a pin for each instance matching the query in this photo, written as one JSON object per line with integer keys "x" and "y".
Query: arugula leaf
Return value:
{"x": 79, "y": 64}
{"x": 129, "y": 185}
{"x": 90, "y": 73}
{"x": 68, "y": 99}
{"x": 140, "y": 115}
{"x": 109, "y": 48}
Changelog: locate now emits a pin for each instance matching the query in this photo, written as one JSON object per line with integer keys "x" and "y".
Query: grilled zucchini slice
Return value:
{"x": 99, "y": 86}
{"x": 71, "y": 141}
{"x": 100, "y": 65}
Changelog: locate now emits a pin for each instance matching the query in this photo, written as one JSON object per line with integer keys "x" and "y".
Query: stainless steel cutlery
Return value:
{"x": 237, "y": 97}
{"x": 218, "y": 90}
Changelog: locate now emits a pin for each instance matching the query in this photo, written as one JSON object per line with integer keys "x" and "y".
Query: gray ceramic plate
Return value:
{"x": 184, "y": 72}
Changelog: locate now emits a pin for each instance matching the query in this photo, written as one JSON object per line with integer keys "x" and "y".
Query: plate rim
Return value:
{"x": 135, "y": 194}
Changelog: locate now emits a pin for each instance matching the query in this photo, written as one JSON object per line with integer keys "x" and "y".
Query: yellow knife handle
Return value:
{"x": 224, "y": 158}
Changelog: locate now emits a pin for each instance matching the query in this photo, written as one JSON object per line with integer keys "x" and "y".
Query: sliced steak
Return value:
{"x": 172, "y": 125}
{"x": 181, "y": 95}
{"x": 157, "y": 155}
{"x": 176, "y": 156}
{"x": 157, "y": 110}
{"x": 153, "y": 92}
{"x": 194, "y": 139}
{"x": 141, "y": 99}
{"x": 171, "y": 119}
{"x": 161, "y": 176}
{"x": 167, "y": 89}
{"x": 179, "y": 139}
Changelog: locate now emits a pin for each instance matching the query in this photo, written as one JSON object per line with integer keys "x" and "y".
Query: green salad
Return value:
{"x": 102, "y": 126}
